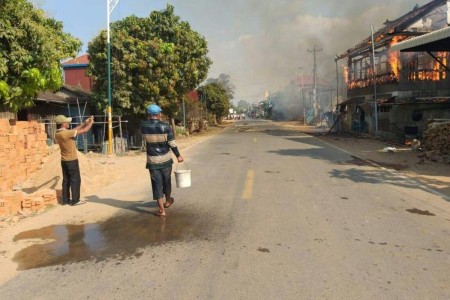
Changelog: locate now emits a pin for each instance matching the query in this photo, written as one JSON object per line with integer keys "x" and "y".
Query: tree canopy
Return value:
{"x": 156, "y": 59}
{"x": 31, "y": 48}
{"x": 242, "y": 106}
{"x": 217, "y": 99}
{"x": 225, "y": 81}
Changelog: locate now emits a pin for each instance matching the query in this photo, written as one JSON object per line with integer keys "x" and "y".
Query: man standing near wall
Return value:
{"x": 65, "y": 137}
{"x": 160, "y": 140}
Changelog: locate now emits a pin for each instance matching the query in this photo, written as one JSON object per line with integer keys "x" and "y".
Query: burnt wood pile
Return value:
{"x": 437, "y": 137}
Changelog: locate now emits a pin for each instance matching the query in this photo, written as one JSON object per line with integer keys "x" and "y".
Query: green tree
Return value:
{"x": 156, "y": 59}
{"x": 31, "y": 48}
{"x": 225, "y": 81}
{"x": 242, "y": 106}
{"x": 267, "y": 107}
{"x": 217, "y": 99}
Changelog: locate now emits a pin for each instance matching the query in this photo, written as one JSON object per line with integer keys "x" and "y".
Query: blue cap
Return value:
{"x": 153, "y": 109}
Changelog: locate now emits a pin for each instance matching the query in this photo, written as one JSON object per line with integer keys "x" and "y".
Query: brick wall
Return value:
{"x": 16, "y": 201}
{"x": 23, "y": 145}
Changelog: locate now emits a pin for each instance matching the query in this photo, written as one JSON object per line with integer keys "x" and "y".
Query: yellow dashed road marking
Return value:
{"x": 248, "y": 190}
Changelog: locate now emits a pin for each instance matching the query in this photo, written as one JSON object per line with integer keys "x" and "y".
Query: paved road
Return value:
{"x": 271, "y": 214}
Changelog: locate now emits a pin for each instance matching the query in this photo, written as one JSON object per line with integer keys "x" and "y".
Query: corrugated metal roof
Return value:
{"x": 422, "y": 40}
{"x": 66, "y": 94}
{"x": 80, "y": 60}
{"x": 384, "y": 35}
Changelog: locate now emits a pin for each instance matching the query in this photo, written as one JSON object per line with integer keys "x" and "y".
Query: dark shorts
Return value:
{"x": 161, "y": 182}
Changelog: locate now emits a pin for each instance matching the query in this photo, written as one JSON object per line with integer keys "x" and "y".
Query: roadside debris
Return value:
{"x": 390, "y": 149}
{"x": 437, "y": 137}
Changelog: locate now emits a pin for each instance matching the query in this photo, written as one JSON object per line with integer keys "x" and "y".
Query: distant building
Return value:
{"x": 75, "y": 73}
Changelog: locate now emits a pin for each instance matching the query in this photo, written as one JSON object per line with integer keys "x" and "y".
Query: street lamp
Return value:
{"x": 110, "y": 5}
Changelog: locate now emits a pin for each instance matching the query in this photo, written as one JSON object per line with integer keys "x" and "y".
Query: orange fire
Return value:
{"x": 439, "y": 73}
{"x": 434, "y": 72}
{"x": 394, "y": 57}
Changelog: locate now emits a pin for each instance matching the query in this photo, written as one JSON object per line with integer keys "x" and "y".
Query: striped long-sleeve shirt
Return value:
{"x": 159, "y": 140}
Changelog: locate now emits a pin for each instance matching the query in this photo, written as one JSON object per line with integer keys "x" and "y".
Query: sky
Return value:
{"x": 261, "y": 44}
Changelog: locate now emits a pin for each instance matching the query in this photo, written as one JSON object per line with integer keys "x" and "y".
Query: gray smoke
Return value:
{"x": 262, "y": 43}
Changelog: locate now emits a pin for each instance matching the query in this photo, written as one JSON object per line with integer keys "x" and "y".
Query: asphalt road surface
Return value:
{"x": 271, "y": 214}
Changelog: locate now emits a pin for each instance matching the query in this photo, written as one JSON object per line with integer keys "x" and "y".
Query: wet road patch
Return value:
{"x": 119, "y": 237}
{"x": 264, "y": 250}
{"x": 420, "y": 212}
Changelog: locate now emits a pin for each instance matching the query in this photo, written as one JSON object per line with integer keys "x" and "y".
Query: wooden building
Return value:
{"x": 396, "y": 93}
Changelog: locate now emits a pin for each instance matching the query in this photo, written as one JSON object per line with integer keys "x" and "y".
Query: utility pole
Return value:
{"x": 315, "y": 49}
{"x": 374, "y": 84}
{"x": 337, "y": 90}
{"x": 302, "y": 98}
{"x": 110, "y": 5}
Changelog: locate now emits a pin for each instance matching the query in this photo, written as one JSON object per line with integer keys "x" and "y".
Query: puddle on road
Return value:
{"x": 119, "y": 237}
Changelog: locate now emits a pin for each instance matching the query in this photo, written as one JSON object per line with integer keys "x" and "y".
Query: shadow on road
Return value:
{"x": 377, "y": 176}
{"x": 139, "y": 207}
{"x": 324, "y": 154}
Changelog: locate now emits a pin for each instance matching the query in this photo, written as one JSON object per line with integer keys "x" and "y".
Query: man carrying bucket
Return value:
{"x": 159, "y": 140}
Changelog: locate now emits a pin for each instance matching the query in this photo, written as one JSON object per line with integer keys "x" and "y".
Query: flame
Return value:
{"x": 435, "y": 72}
{"x": 439, "y": 72}
{"x": 394, "y": 62}
{"x": 394, "y": 57}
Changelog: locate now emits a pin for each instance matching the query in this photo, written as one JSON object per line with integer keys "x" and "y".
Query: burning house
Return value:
{"x": 395, "y": 93}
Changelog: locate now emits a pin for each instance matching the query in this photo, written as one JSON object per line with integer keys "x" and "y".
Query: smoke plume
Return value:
{"x": 261, "y": 44}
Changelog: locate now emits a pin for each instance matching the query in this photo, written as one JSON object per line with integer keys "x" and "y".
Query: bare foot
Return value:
{"x": 169, "y": 203}
{"x": 160, "y": 214}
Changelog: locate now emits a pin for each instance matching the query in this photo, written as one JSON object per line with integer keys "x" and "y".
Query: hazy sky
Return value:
{"x": 261, "y": 44}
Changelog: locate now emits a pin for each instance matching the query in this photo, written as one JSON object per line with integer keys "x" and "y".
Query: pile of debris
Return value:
{"x": 437, "y": 137}
{"x": 19, "y": 202}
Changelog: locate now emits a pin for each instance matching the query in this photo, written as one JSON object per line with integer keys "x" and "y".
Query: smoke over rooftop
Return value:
{"x": 261, "y": 44}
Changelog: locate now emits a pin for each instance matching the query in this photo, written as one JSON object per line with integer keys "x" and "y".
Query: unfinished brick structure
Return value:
{"x": 23, "y": 145}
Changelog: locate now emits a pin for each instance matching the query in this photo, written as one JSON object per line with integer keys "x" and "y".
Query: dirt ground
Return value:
{"x": 97, "y": 170}
{"x": 435, "y": 174}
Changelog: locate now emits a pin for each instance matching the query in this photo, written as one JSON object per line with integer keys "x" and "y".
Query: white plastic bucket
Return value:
{"x": 183, "y": 178}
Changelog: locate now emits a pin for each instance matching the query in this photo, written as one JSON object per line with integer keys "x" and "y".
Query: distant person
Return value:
{"x": 65, "y": 137}
{"x": 159, "y": 140}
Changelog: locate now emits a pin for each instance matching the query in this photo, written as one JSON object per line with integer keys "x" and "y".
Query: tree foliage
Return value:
{"x": 225, "y": 81}
{"x": 267, "y": 108}
{"x": 217, "y": 99}
{"x": 242, "y": 106}
{"x": 156, "y": 59}
{"x": 31, "y": 47}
